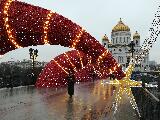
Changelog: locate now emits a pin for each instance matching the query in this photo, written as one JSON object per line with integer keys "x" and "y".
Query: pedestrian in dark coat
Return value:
{"x": 71, "y": 81}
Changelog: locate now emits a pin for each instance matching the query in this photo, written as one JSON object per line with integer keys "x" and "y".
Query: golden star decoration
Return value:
{"x": 124, "y": 86}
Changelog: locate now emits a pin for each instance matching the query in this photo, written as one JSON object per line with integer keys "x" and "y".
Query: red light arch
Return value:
{"x": 56, "y": 71}
{"x": 23, "y": 25}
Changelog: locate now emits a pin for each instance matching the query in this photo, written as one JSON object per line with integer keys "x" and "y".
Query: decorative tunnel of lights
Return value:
{"x": 55, "y": 72}
{"x": 23, "y": 25}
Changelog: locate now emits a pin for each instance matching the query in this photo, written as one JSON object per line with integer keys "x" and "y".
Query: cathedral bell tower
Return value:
{"x": 105, "y": 41}
{"x": 136, "y": 39}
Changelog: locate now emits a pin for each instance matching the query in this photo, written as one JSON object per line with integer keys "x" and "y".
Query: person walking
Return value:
{"x": 94, "y": 75}
{"x": 71, "y": 81}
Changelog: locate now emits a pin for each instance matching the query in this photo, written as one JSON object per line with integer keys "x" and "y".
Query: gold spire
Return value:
{"x": 105, "y": 38}
{"x": 136, "y": 35}
{"x": 120, "y": 27}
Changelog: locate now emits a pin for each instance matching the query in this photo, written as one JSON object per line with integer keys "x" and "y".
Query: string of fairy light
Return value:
{"x": 90, "y": 59}
{"x": 101, "y": 56}
{"x": 72, "y": 64}
{"x": 46, "y": 25}
{"x": 32, "y": 25}
{"x": 154, "y": 32}
{"x": 9, "y": 29}
{"x": 6, "y": 24}
{"x": 62, "y": 61}
{"x": 76, "y": 40}
{"x": 68, "y": 59}
{"x": 124, "y": 87}
{"x": 114, "y": 67}
{"x": 80, "y": 59}
{"x": 60, "y": 66}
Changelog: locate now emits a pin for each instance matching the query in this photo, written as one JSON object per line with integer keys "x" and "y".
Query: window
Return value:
{"x": 104, "y": 44}
{"x": 116, "y": 39}
{"x": 120, "y": 40}
{"x": 127, "y": 39}
{"x": 116, "y": 33}
{"x": 113, "y": 40}
{"x": 124, "y": 40}
{"x": 120, "y": 59}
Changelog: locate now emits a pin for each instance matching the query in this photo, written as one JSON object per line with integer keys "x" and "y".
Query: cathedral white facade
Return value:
{"x": 118, "y": 46}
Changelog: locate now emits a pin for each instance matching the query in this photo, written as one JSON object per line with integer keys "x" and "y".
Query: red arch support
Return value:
{"x": 55, "y": 72}
{"x": 23, "y": 25}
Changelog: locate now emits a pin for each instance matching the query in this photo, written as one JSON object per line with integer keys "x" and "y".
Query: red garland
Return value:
{"x": 27, "y": 22}
{"x": 53, "y": 76}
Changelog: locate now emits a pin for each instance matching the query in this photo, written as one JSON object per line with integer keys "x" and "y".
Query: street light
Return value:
{"x": 33, "y": 55}
{"x": 128, "y": 58}
{"x": 132, "y": 45}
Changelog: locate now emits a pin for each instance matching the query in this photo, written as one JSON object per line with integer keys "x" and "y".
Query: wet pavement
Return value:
{"x": 91, "y": 101}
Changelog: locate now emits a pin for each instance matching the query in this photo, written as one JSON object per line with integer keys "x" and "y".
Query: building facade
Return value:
{"x": 119, "y": 46}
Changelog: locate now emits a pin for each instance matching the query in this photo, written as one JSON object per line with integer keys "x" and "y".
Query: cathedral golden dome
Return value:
{"x": 105, "y": 38}
{"x": 120, "y": 27}
{"x": 136, "y": 35}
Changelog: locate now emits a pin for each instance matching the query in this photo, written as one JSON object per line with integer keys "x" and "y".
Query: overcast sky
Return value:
{"x": 98, "y": 17}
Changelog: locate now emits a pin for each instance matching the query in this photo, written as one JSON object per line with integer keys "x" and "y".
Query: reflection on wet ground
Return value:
{"x": 92, "y": 101}
{"x": 149, "y": 108}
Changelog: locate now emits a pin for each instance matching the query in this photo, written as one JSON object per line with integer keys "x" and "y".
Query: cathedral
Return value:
{"x": 119, "y": 46}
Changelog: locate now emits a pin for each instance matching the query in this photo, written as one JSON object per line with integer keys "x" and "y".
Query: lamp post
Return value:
{"x": 127, "y": 58}
{"x": 33, "y": 55}
{"x": 132, "y": 45}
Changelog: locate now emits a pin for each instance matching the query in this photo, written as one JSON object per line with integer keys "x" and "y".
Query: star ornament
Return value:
{"x": 124, "y": 87}
{"x": 126, "y": 82}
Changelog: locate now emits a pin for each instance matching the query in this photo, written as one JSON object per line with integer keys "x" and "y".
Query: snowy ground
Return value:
{"x": 92, "y": 101}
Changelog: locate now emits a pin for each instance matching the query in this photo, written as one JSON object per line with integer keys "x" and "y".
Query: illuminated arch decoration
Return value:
{"x": 23, "y": 25}
{"x": 55, "y": 72}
